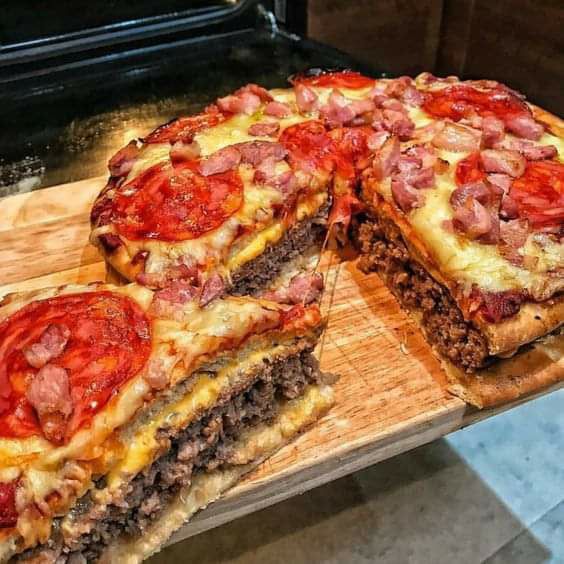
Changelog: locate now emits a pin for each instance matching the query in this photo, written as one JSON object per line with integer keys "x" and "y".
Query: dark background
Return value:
{"x": 520, "y": 42}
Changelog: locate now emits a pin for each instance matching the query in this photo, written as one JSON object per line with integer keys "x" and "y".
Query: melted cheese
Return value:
{"x": 144, "y": 446}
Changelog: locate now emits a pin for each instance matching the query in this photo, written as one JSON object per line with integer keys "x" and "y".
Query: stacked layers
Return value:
{"x": 124, "y": 411}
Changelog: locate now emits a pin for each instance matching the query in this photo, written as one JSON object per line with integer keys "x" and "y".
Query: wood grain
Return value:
{"x": 390, "y": 395}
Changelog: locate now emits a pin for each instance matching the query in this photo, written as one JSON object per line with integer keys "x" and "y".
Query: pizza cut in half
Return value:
{"x": 123, "y": 411}
{"x": 464, "y": 218}
{"x": 241, "y": 193}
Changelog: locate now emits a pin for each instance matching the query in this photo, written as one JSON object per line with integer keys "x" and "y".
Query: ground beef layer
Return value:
{"x": 203, "y": 446}
{"x": 255, "y": 275}
{"x": 383, "y": 250}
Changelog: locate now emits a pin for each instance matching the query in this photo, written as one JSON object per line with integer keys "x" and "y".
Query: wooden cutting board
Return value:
{"x": 390, "y": 395}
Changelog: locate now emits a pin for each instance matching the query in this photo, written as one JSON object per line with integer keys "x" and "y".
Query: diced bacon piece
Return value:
{"x": 244, "y": 103}
{"x": 426, "y": 133}
{"x": 508, "y": 208}
{"x": 338, "y": 111}
{"x": 306, "y": 98}
{"x": 473, "y": 219}
{"x": 49, "y": 394}
{"x": 178, "y": 292}
{"x": 266, "y": 171}
{"x": 406, "y": 197}
{"x": 477, "y": 190}
{"x": 303, "y": 288}
{"x": 255, "y": 152}
{"x": 277, "y": 109}
{"x": 164, "y": 278}
{"x": 156, "y": 375}
{"x": 457, "y": 138}
{"x": 525, "y": 126}
{"x": 505, "y": 162}
{"x": 386, "y": 158}
{"x": 257, "y": 90}
{"x": 213, "y": 287}
{"x": 50, "y": 345}
{"x": 398, "y": 124}
{"x": 393, "y": 104}
{"x": 221, "y": 161}
{"x": 426, "y": 155}
{"x": 493, "y": 130}
{"x": 412, "y": 97}
{"x": 122, "y": 162}
{"x": 377, "y": 139}
{"x": 514, "y": 233}
{"x": 529, "y": 150}
{"x": 397, "y": 86}
{"x": 185, "y": 151}
{"x": 265, "y": 129}
{"x": 497, "y": 306}
{"x": 502, "y": 181}
{"x": 360, "y": 107}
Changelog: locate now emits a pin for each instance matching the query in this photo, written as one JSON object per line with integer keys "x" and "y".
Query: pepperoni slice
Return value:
{"x": 309, "y": 146}
{"x": 462, "y": 100}
{"x": 342, "y": 79}
{"x": 184, "y": 128}
{"x": 469, "y": 170}
{"x": 539, "y": 194}
{"x": 110, "y": 341}
{"x": 175, "y": 203}
{"x": 352, "y": 149}
{"x": 8, "y": 513}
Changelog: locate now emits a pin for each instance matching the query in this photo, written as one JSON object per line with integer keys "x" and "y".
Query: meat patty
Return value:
{"x": 203, "y": 446}
{"x": 254, "y": 276}
{"x": 383, "y": 250}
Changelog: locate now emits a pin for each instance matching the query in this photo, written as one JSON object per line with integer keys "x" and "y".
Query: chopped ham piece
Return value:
{"x": 178, "y": 292}
{"x": 277, "y": 109}
{"x": 525, "y": 126}
{"x": 306, "y": 98}
{"x": 502, "y": 181}
{"x": 185, "y": 151}
{"x": 338, "y": 110}
{"x": 49, "y": 394}
{"x": 509, "y": 208}
{"x": 458, "y": 138}
{"x": 528, "y": 149}
{"x": 477, "y": 190}
{"x": 50, "y": 345}
{"x": 473, "y": 219}
{"x": 221, "y": 161}
{"x": 412, "y": 97}
{"x": 257, "y": 90}
{"x": 406, "y": 197}
{"x": 213, "y": 287}
{"x": 303, "y": 289}
{"x": 255, "y": 152}
{"x": 398, "y": 124}
{"x": 360, "y": 107}
{"x": 122, "y": 162}
{"x": 493, "y": 130}
{"x": 264, "y": 129}
{"x": 156, "y": 375}
{"x": 386, "y": 158}
{"x": 506, "y": 162}
{"x": 426, "y": 156}
{"x": 377, "y": 139}
{"x": 514, "y": 233}
{"x": 243, "y": 103}
{"x": 164, "y": 278}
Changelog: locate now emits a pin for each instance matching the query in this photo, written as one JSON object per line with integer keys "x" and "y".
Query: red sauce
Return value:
{"x": 175, "y": 203}
{"x": 343, "y": 79}
{"x": 461, "y": 100}
{"x": 8, "y": 513}
{"x": 110, "y": 342}
{"x": 184, "y": 128}
{"x": 539, "y": 194}
{"x": 469, "y": 170}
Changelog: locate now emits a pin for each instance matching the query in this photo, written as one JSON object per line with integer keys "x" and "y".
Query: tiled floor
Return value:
{"x": 491, "y": 493}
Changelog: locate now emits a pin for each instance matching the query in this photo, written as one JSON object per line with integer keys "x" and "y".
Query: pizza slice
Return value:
{"x": 465, "y": 219}
{"x": 241, "y": 193}
{"x": 123, "y": 411}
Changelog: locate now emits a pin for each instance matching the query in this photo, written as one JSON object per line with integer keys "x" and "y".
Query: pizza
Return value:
{"x": 464, "y": 217}
{"x": 124, "y": 410}
{"x": 241, "y": 193}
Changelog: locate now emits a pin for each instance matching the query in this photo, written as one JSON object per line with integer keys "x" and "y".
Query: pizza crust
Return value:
{"x": 535, "y": 369}
{"x": 554, "y": 123}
